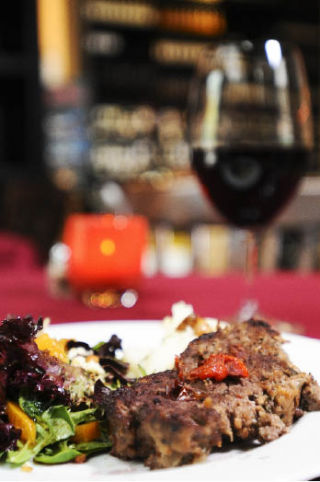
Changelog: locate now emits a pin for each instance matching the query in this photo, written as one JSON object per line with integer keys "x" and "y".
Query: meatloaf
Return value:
{"x": 170, "y": 418}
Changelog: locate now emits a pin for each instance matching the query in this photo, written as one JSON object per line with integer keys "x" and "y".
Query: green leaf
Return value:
{"x": 142, "y": 370}
{"x": 55, "y": 427}
{"x": 59, "y": 423}
{"x": 115, "y": 385}
{"x": 87, "y": 415}
{"x": 93, "y": 447}
{"x": 24, "y": 453}
{"x": 59, "y": 454}
{"x": 33, "y": 408}
{"x": 98, "y": 345}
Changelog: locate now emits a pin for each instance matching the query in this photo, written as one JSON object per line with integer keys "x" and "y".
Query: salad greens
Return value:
{"x": 55, "y": 428}
{"x": 52, "y": 392}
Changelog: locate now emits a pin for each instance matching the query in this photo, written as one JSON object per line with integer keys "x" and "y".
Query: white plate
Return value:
{"x": 294, "y": 456}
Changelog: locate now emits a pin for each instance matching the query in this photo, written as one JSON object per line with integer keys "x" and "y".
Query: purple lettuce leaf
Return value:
{"x": 24, "y": 367}
{"x": 8, "y": 436}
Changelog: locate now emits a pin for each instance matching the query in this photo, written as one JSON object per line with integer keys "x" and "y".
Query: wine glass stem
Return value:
{"x": 250, "y": 307}
{"x": 252, "y": 257}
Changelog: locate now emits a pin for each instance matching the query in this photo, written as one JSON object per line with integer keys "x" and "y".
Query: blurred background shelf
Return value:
{"x": 180, "y": 201}
{"x": 92, "y": 119}
{"x": 184, "y": 222}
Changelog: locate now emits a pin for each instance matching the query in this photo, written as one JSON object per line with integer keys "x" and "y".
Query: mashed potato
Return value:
{"x": 178, "y": 330}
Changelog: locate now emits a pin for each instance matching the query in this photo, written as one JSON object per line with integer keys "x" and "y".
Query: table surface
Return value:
{"x": 284, "y": 296}
{"x": 288, "y": 297}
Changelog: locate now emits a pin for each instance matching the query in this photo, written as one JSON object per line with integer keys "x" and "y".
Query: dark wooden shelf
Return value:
{"x": 13, "y": 64}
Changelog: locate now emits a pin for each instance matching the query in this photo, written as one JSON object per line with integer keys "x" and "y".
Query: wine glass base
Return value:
{"x": 250, "y": 309}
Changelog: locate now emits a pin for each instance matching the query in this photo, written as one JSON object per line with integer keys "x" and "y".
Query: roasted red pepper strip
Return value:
{"x": 218, "y": 366}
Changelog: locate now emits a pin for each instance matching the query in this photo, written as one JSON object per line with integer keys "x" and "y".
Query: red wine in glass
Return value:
{"x": 250, "y": 184}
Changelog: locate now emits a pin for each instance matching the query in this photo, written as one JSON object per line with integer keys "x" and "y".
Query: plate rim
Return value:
{"x": 182, "y": 473}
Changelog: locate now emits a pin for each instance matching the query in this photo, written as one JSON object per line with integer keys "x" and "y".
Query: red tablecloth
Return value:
{"x": 286, "y": 296}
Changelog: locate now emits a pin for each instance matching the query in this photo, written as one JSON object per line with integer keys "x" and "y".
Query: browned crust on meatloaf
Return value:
{"x": 166, "y": 421}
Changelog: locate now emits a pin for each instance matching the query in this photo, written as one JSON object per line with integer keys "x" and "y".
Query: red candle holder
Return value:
{"x": 106, "y": 250}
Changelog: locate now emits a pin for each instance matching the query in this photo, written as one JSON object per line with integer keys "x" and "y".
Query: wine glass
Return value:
{"x": 250, "y": 129}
